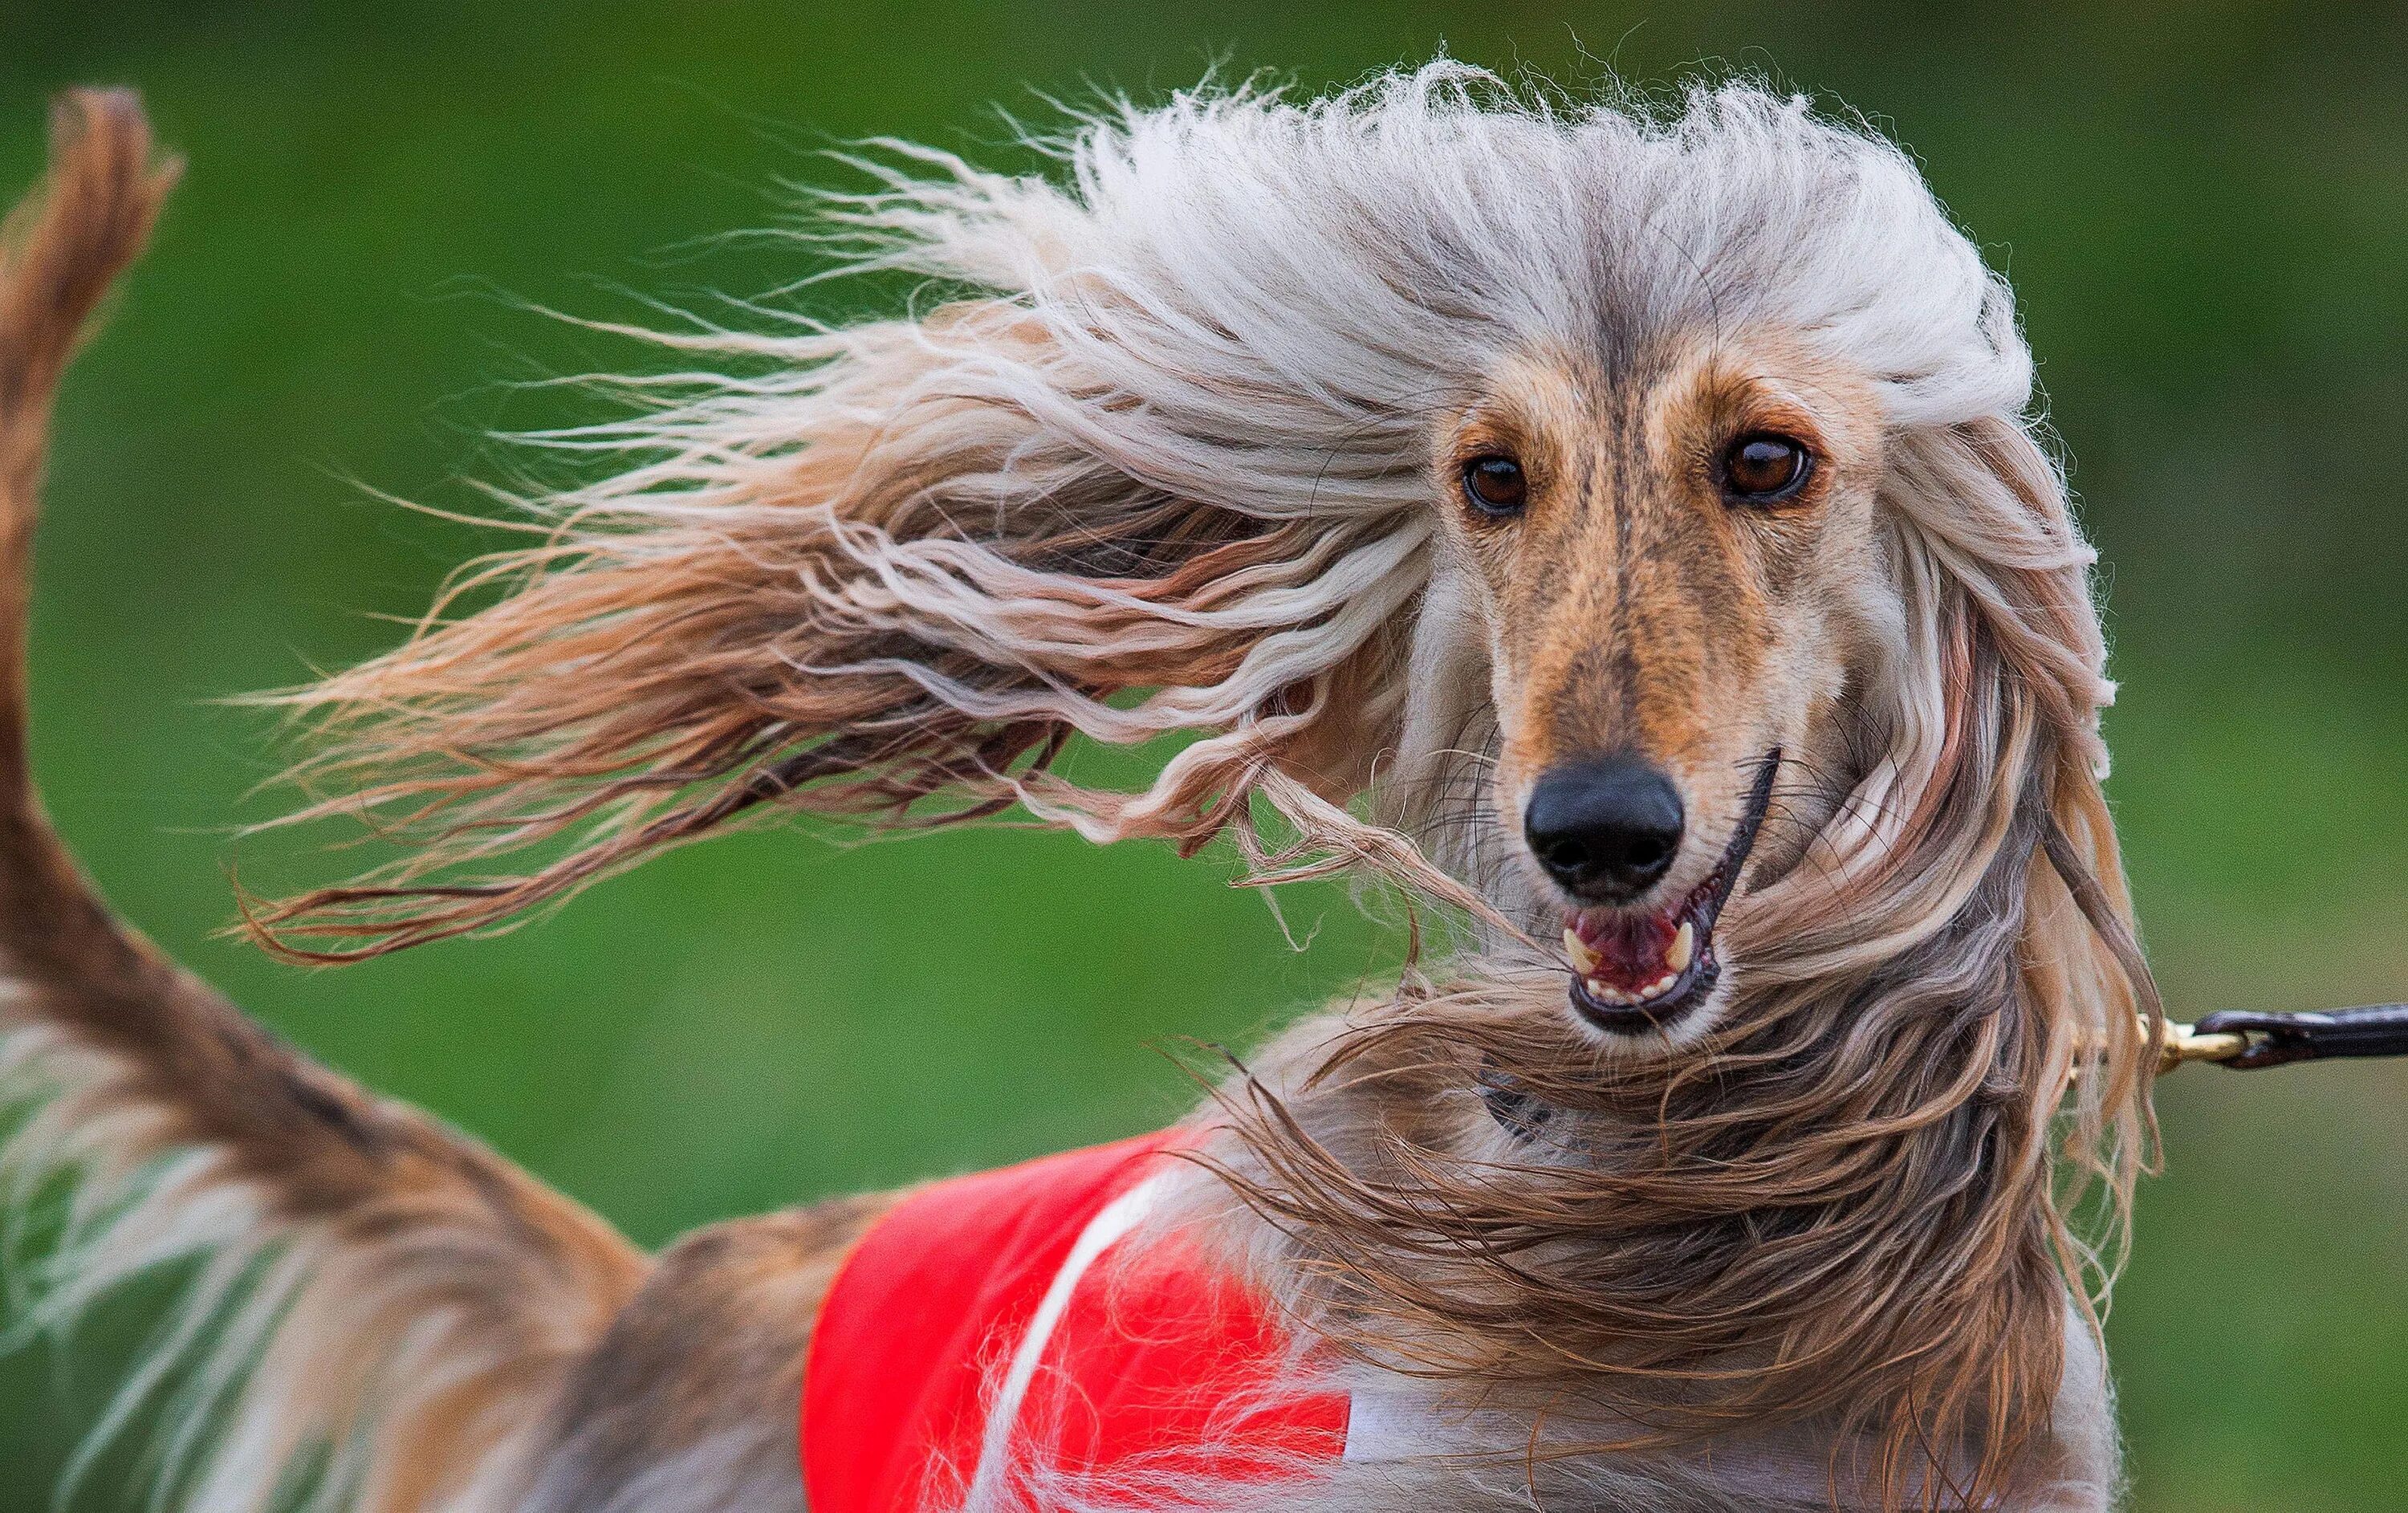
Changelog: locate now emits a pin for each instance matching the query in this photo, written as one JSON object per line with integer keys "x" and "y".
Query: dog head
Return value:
{"x": 1639, "y": 508}
{"x": 1626, "y": 525}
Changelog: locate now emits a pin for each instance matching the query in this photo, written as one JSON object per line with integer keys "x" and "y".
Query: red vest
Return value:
{"x": 994, "y": 1329}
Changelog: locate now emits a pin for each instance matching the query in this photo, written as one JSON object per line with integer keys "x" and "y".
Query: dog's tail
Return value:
{"x": 379, "y": 1309}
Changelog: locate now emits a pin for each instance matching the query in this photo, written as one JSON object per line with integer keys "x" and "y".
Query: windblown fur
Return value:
{"x": 1156, "y": 466}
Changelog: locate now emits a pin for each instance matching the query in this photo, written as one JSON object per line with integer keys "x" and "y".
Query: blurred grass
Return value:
{"x": 2202, "y": 207}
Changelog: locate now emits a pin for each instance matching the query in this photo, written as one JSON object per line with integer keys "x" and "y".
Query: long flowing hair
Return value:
{"x": 1859, "y": 1202}
{"x": 1151, "y": 466}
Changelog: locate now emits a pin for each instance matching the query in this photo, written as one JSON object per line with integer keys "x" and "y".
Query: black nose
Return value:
{"x": 1604, "y": 828}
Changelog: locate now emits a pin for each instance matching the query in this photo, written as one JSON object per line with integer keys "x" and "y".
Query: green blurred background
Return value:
{"x": 2204, "y": 208}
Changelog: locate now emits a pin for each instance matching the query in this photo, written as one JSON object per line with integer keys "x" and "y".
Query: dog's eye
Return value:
{"x": 1494, "y": 485}
{"x": 1761, "y": 468}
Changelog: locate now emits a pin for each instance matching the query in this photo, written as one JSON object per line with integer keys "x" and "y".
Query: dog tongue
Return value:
{"x": 1627, "y": 951}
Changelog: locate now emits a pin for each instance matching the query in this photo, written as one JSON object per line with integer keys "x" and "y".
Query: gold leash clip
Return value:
{"x": 2180, "y": 1043}
{"x": 2247, "y": 1039}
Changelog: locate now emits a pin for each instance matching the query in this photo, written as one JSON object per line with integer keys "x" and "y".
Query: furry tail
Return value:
{"x": 379, "y": 1310}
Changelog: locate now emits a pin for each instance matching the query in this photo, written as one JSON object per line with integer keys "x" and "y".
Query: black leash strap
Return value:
{"x": 2279, "y": 1039}
{"x": 2240, "y": 1038}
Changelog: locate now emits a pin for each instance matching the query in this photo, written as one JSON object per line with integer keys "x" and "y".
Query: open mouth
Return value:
{"x": 1634, "y": 971}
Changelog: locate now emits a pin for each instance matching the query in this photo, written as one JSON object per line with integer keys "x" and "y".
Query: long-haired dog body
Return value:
{"x": 1623, "y": 528}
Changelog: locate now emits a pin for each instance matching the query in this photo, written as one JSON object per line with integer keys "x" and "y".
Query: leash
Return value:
{"x": 2245, "y": 1040}
{"x": 2240, "y": 1040}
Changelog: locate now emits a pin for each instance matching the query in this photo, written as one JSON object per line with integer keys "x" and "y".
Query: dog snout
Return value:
{"x": 1604, "y": 828}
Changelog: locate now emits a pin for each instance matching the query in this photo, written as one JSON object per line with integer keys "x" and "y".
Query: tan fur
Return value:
{"x": 1836, "y": 1207}
{"x": 710, "y": 1352}
{"x": 1632, "y": 608}
{"x": 391, "y": 1224}
{"x": 641, "y": 692}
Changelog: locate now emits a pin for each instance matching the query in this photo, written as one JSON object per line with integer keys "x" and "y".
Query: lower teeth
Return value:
{"x": 1678, "y": 957}
{"x": 1612, "y": 994}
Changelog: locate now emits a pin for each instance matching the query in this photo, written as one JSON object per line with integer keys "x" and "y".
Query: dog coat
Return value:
{"x": 995, "y": 1329}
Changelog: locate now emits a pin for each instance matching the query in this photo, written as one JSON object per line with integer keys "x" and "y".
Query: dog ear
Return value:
{"x": 2034, "y": 605}
{"x": 886, "y": 584}
{"x": 2083, "y": 949}
{"x": 2025, "y": 686}
{"x": 1978, "y": 857}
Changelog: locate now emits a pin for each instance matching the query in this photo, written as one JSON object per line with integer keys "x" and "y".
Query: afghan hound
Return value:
{"x": 1620, "y": 527}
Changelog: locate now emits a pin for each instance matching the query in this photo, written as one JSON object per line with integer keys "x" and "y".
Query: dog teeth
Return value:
{"x": 1677, "y": 959}
{"x": 1606, "y": 992}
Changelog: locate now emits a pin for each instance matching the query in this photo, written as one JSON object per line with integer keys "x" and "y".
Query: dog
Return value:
{"x": 1621, "y": 528}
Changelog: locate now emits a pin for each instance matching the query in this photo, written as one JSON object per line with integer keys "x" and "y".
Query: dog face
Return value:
{"x": 1671, "y": 559}
{"x": 1170, "y": 469}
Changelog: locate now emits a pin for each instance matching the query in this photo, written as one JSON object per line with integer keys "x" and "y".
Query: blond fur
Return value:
{"x": 376, "y": 1310}
{"x": 1157, "y": 464}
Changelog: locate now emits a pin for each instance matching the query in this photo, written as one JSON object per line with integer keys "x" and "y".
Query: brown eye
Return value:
{"x": 1762, "y": 469}
{"x": 1495, "y": 485}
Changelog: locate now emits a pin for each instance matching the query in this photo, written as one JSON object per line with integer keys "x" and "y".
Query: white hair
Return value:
{"x": 1217, "y": 340}
{"x": 1159, "y": 467}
